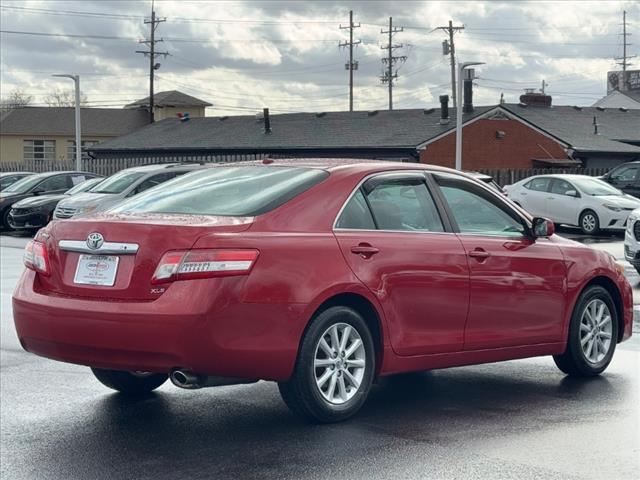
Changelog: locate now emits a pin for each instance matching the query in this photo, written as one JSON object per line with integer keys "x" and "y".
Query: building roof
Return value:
{"x": 99, "y": 122}
{"x": 616, "y": 98}
{"x": 171, "y": 98}
{"x": 397, "y": 129}
{"x": 574, "y": 126}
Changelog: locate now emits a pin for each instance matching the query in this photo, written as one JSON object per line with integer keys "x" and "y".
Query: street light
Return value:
{"x": 76, "y": 80}
{"x": 461, "y": 68}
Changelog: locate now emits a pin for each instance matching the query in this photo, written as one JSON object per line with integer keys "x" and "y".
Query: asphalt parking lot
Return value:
{"x": 520, "y": 419}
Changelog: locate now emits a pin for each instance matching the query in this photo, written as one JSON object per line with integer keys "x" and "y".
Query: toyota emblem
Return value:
{"x": 95, "y": 241}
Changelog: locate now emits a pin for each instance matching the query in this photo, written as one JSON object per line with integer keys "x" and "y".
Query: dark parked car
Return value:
{"x": 625, "y": 177}
{"x": 9, "y": 178}
{"x": 36, "y": 212}
{"x": 39, "y": 184}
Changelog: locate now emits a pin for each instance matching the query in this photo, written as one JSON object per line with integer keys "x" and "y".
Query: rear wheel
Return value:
{"x": 335, "y": 368}
{"x": 589, "y": 222}
{"x": 130, "y": 383}
{"x": 4, "y": 218}
{"x": 593, "y": 333}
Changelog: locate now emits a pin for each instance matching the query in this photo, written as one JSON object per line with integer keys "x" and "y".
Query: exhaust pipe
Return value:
{"x": 191, "y": 381}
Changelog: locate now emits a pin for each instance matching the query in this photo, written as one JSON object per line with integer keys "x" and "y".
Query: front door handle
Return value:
{"x": 479, "y": 254}
{"x": 364, "y": 250}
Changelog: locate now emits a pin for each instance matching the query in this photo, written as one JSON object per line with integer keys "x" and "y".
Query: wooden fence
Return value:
{"x": 109, "y": 166}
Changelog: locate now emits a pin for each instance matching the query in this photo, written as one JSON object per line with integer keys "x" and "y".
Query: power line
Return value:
{"x": 351, "y": 66}
{"x": 151, "y": 53}
{"x": 448, "y": 47}
{"x": 390, "y": 60}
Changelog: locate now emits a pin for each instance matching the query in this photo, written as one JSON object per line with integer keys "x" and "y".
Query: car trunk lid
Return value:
{"x": 134, "y": 246}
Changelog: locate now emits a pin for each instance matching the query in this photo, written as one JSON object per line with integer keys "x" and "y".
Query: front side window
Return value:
{"x": 39, "y": 150}
{"x": 538, "y": 184}
{"x": 476, "y": 213}
{"x": 625, "y": 174}
{"x": 58, "y": 182}
{"x": 561, "y": 187}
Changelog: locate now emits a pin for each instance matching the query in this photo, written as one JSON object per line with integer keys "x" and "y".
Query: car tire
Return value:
{"x": 589, "y": 351}
{"x": 5, "y": 219}
{"x": 589, "y": 222}
{"x": 130, "y": 383}
{"x": 330, "y": 383}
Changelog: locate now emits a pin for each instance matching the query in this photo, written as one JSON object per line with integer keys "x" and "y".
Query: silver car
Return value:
{"x": 119, "y": 186}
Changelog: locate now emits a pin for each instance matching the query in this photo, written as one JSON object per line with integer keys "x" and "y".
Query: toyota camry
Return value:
{"x": 321, "y": 275}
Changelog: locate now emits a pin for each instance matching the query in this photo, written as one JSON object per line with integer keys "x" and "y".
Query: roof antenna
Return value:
{"x": 595, "y": 125}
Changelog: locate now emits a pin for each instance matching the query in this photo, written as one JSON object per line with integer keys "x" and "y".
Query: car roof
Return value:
{"x": 567, "y": 176}
{"x": 340, "y": 164}
{"x": 159, "y": 167}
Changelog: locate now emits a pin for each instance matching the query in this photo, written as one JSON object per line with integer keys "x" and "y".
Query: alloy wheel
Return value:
{"x": 339, "y": 363}
{"x": 588, "y": 222}
{"x": 595, "y": 331}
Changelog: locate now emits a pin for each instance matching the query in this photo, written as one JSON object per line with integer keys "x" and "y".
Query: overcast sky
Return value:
{"x": 246, "y": 55}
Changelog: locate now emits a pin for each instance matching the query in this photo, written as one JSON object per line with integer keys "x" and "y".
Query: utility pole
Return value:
{"x": 351, "y": 66}
{"x": 390, "y": 60}
{"x": 450, "y": 48}
{"x": 152, "y": 54}
{"x": 625, "y": 59}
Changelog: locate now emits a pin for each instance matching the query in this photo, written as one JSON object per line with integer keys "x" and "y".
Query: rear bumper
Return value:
{"x": 184, "y": 328}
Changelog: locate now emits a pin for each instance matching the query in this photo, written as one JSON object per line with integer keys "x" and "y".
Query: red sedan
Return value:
{"x": 321, "y": 275}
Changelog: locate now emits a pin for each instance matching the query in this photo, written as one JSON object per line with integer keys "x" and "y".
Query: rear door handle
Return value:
{"x": 364, "y": 250}
{"x": 479, "y": 254}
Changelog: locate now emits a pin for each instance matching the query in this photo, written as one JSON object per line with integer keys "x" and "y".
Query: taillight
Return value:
{"x": 190, "y": 264}
{"x": 36, "y": 257}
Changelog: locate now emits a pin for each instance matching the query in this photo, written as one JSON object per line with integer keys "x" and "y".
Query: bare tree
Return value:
{"x": 64, "y": 98}
{"x": 16, "y": 99}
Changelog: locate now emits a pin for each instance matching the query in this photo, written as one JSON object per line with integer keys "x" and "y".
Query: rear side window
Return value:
{"x": 538, "y": 184}
{"x": 398, "y": 204}
{"x": 231, "y": 191}
{"x": 356, "y": 214}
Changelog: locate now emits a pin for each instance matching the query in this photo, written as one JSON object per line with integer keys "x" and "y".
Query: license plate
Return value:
{"x": 96, "y": 270}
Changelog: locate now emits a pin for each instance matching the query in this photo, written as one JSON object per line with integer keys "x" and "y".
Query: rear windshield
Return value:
{"x": 117, "y": 183}
{"x": 232, "y": 191}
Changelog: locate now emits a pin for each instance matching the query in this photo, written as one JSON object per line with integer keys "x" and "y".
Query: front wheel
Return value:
{"x": 589, "y": 222}
{"x": 130, "y": 383}
{"x": 335, "y": 368}
{"x": 593, "y": 333}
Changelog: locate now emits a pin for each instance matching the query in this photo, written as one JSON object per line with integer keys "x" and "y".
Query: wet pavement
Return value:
{"x": 520, "y": 419}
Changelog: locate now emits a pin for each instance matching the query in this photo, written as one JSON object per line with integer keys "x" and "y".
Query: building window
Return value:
{"x": 71, "y": 148}
{"x": 39, "y": 150}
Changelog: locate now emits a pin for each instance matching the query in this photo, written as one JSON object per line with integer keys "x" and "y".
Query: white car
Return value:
{"x": 577, "y": 200}
{"x": 632, "y": 240}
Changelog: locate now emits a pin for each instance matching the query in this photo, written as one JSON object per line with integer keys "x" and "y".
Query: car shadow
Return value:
{"x": 247, "y": 432}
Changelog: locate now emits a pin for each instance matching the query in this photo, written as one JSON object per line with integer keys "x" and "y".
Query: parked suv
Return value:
{"x": 36, "y": 185}
{"x": 121, "y": 185}
{"x": 625, "y": 177}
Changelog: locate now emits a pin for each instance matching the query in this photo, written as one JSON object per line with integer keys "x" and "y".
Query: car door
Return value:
{"x": 394, "y": 240}
{"x": 626, "y": 178}
{"x": 533, "y": 195}
{"x": 563, "y": 202}
{"x": 518, "y": 283}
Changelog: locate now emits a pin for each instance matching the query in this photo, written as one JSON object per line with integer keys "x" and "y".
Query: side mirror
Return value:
{"x": 543, "y": 227}
{"x": 571, "y": 193}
